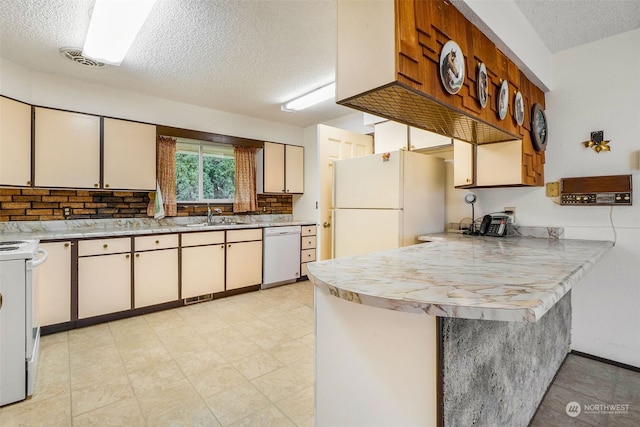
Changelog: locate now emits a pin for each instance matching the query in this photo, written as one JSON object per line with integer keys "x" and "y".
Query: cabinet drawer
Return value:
{"x": 244, "y": 235}
{"x": 104, "y": 246}
{"x": 204, "y": 238}
{"x": 165, "y": 241}
{"x": 308, "y": 255}
{"x": 308, "y": 230}
{"x": 308, "y": 242}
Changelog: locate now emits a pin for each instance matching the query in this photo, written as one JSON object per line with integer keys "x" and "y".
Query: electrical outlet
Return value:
{"x": 66, "y": 211}
{"x": 553, "y": 189}
{"x": 511, "y": 213}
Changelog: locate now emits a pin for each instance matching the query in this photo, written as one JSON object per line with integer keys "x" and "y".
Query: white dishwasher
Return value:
{"x": 281, "y": 256}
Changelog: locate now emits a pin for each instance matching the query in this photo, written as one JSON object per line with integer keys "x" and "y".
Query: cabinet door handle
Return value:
{"x": 0, "y": 301}
{"x": 228, "y": 246}
{"x": 105, "y": 246}
{"x": 137, "y": 255}
{"x": 106, "y": 185}
{"x": 28, "y": 182}
{"x": 157, "y": 242}
{"x": 96, "y": 185}
{"x": 127, "y": 256}
{"x": 66, "y": 245}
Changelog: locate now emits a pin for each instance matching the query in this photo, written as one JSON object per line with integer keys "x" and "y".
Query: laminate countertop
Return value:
{"x": 96, "y": 228}
{"x": 452, "y": 275}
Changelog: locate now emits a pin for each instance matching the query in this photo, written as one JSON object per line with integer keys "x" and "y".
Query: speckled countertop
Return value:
{"x": 90, "y": 228}
{"x": 509, "y": 278}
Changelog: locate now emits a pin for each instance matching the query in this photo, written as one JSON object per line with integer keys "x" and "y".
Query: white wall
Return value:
{"x": 353, "y": 122}
{"x": 54, "y": 91}
{"x": 596, "y": 87}
{"x": 304, "y": 205}
{"x": 504, "y": 23}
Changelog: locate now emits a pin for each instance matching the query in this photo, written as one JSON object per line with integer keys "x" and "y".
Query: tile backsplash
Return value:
{"x": 41, "y": 204}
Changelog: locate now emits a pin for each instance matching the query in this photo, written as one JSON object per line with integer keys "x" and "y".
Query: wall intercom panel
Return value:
{"x": 610, "y": 190}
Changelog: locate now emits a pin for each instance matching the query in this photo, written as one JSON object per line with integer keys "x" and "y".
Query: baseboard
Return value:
{"x": 607, "y": 361}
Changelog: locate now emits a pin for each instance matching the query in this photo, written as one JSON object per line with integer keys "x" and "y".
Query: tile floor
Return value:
{"x": 238, "y": 361}
{"x": 245, "y": 360}
{"x": 590, "y": 383}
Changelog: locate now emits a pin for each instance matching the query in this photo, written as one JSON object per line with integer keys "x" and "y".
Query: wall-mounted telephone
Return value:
{"x": 494, "y": 225}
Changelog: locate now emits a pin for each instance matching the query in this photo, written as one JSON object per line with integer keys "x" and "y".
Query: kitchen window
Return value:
{"x": 204, "y": 172}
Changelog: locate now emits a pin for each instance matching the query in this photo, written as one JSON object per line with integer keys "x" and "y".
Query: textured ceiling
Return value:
{"x": 247, "y": 56}
{"x": 563, "y": 24}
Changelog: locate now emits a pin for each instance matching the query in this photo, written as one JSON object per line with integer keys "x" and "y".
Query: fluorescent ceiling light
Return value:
{"x": 311, "y": 98}
{"x": 113, "y": 27}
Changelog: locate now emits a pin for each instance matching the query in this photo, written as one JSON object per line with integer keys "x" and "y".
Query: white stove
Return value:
{"x": 18, "y": 249}
{"x": 19, "y": 322}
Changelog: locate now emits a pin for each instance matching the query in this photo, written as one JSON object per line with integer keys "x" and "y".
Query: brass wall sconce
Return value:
{"x": 597, "y": 142}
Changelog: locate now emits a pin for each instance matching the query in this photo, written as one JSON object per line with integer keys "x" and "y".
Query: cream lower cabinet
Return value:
{"x": 155, "y": 270}
{"x": 54, "y": 284}
{"x": 308, "y": 246}
{"x": 203, "y": 259}
{"x": 244, "y": 258}
{"x": 104, "y": 276}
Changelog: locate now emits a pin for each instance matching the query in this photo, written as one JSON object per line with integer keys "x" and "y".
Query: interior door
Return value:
{"x": 335, "y": 144}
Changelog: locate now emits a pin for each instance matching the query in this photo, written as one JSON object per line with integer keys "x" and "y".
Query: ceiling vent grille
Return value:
{"x": 75, "y": 55}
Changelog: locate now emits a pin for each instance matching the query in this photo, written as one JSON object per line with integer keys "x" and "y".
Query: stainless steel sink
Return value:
{"x": 216, "y": 224}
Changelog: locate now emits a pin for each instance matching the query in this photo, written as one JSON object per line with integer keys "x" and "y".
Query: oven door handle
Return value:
{"x": 39, "y": 261}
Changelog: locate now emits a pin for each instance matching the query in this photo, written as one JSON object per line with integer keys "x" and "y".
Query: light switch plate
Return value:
{"x": 553, "y": 189}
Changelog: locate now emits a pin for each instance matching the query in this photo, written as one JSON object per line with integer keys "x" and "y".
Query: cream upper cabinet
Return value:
{"x": 294, "y": 169}
{"x": 390, "y": 136}
{"x": 420, "y": 139}
{"x": 463, "y": 166}
{"x": 273, "y": 168}
{"x": 15, "y": 143}
{"x": 129, "y": 155}
{"x": 54, "y": 284}
{"x": 280, "y": 169}
{"x": 67, "y": 149}
{"x": 499, "y": 163}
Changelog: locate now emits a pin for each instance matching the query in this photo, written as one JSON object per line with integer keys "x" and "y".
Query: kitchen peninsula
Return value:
{"x": 461, "y": 330}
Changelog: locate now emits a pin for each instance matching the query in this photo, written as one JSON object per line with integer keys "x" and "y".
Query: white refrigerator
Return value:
{"x": 382, "y": 202}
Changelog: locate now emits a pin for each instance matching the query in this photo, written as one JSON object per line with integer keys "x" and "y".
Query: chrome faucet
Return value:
{"x": 211, "y": 213}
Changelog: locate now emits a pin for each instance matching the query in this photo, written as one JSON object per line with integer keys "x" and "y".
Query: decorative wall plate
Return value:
{"x": 482, "y": 85}
{"x": 518, "y": 109}
{"x": 503, "y": 100}
{"x": 452, "y": 67}
{"x": 539, "y": 132}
